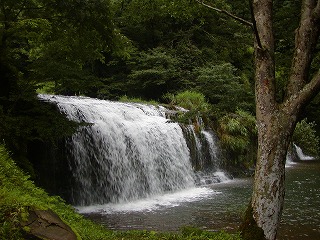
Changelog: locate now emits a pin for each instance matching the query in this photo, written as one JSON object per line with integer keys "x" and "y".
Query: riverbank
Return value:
{"x": 19, "y": 197}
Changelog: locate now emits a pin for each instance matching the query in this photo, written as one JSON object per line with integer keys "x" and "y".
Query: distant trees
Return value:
{"x": 41, "y": 41}
{"x": 181, "y": 34}
{"x": 40, "y": 37}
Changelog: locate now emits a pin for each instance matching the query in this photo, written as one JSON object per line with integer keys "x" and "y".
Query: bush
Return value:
{"x": 192, "y": 101}
{"x": 238, "y": 135}
{"x": 196, "y": 104}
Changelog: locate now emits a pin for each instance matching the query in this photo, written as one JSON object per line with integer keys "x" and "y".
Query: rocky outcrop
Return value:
{"x": 45, "y": 224}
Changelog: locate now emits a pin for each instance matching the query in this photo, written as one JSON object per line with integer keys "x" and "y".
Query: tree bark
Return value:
{"x": 274, "y": 133}
{"x": 276, "y": 121}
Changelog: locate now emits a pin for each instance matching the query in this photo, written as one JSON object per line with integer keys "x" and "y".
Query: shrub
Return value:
{"x": 191, "y": 100}
{"x": 238, "y": 135}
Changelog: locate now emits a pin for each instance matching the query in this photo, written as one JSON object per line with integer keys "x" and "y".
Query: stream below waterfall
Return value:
{"x": 219, "y": 207}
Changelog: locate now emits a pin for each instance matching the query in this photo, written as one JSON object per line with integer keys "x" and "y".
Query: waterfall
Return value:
{"x": 126, "y": 151}
{"x": 301, "y": 155}
{"x": 213, "y": 148}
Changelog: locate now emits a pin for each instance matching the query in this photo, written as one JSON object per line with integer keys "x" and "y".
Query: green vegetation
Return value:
{"x": 305, "y": 137}
{"x": 125, "y": 98}
{"x": 18, "y": 195}
{"x": 238, "y": 135}
{"x": 224, "y": 89}
{"x": 104, "y": 49}
{"x": 193, "y": 101}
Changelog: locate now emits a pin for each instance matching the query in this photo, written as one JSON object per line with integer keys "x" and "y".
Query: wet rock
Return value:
{"x": 45, "y": 224}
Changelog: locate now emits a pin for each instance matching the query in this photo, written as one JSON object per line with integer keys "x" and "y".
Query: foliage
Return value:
{"x": 173, "y": 40}
{"x": 18, "y": 194}
{"x": 153, "y": 73}
{"x": 191, "y": 100}
{"x": 194, "y": 104}
{"x": 312, "y": 112}
{"x": 137, "y": 100}
{"x": 39, "y": 37}
{"x": 305, "y": 137}
{"x": 238, "y": 135}
{"x": 224, "y": 89}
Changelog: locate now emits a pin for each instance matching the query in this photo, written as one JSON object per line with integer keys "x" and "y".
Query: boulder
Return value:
{"x": 45, "y": 224}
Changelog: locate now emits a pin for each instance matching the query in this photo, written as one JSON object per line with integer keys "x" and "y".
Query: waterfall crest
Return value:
{"x": 127, "y": 151}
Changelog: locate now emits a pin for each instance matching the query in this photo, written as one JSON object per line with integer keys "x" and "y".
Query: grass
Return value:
{"x": 125, "y": 98}
{"x": 18, "y": 194}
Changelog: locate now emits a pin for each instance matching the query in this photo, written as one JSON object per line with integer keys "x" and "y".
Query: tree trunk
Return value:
{"x": 274, "y": 135}
{"x": 276, "y": 121}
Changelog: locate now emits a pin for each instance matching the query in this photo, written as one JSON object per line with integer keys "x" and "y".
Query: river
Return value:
{"x": 220, "y": 207}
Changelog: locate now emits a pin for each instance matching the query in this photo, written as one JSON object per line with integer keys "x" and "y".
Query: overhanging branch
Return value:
{"x": 306, "y": 94}
{"x": 248, "y": 23}
{"x": 239, "y": 19}
{"x": 312, "y": 88}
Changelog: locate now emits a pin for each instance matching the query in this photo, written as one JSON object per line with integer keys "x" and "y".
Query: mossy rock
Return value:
{"x": 45, "y": 224}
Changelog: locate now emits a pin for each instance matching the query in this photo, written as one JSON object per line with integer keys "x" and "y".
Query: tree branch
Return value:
{"x": 307, "y": 35}
{"x": 241, "y": 20}
{"x": 248, "y": 23}
{"x": 313, "y": 87}
{"x": 306, "y": 94}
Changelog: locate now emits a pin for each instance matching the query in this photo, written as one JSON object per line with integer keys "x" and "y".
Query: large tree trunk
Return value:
{"x": 276, "y": 121}
{"x": 274, "y": 133}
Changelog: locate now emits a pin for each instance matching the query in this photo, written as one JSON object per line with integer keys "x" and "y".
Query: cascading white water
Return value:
{"x": 301, "y": 155}
{"x": 128, "y": 151}
{"x": 213, "y": 149}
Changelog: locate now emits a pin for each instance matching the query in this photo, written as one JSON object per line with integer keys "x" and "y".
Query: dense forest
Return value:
{"x": 148, "y": 50}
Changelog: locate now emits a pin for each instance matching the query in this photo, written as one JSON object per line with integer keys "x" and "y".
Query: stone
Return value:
{"x": 45, "y": 224}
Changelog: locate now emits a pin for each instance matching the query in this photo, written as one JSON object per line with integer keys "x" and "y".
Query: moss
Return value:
{"x": 249, "y": 228}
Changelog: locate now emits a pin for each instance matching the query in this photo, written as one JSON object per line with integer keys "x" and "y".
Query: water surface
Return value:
{"x": 220, "y": 206}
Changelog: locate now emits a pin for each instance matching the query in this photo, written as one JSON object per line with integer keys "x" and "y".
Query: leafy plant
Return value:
{"x": 223, "y": 88}
{"x": 196, "y": 105}
{"x": 238, "y": 135}
{"x": 191, "y": 100}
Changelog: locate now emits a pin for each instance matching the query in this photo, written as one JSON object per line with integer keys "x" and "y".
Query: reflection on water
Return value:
{"x": 222, "y": 208}
{"x": 301, "y": 216}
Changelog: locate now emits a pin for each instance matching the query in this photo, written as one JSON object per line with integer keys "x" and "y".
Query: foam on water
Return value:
{"x": 153, "y": 203}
